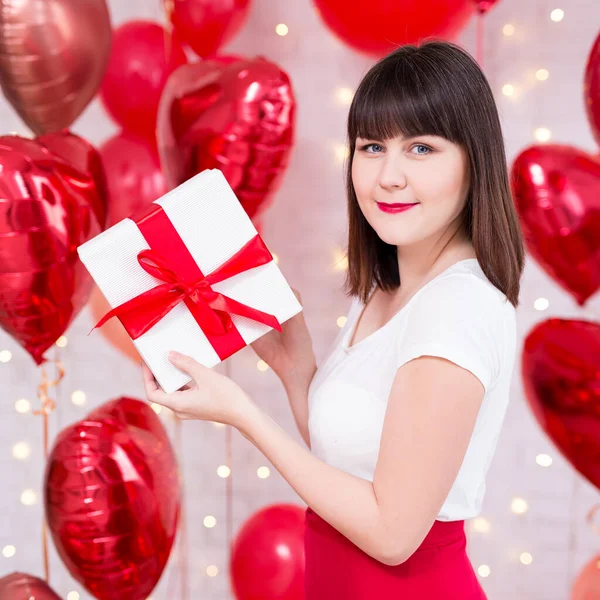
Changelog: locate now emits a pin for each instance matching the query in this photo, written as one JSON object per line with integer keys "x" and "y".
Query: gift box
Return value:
{"x": 189, "y": 273}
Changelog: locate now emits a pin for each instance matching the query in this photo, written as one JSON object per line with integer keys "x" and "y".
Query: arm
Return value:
{"x": 431, "y": 412}
{"x": 297, "y": 393}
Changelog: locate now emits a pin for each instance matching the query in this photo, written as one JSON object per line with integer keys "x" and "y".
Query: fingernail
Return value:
{"x": 174, "y": 355}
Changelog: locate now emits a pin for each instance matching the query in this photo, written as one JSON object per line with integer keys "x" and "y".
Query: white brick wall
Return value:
{"x": 304, "y": 227}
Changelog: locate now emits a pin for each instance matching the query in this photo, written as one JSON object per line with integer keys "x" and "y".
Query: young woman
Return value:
{"x": 403, "y": 415}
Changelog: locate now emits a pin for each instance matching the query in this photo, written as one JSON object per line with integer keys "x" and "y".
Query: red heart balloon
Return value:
{"x": 20, "y": 586}
{"x": 52, "y": 199}
{"x": 561, "y": 381}
{"x": 557, "y": 193}
{"x": 267, "y": 555}
{"x": 236, "y": 116}
{"x": 591, "y": 89}
{"x": 112, "y": 499}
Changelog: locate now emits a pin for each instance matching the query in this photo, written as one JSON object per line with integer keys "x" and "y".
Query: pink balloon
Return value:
{"x": 376, "y": 27}
{"x": 207, "y": 25}
{"x": 267, "y": 555}
{"x": 133, "y": 175}
{"x": 587, "y": 584}
{"x": 20, "y": 586}
{"x": 140, "y": 63}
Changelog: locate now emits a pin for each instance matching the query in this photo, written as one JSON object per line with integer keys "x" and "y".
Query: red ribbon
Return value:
{"x": 170, "y": 261}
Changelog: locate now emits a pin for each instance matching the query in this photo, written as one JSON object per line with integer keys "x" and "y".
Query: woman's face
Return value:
{"x": 427, "y": 170}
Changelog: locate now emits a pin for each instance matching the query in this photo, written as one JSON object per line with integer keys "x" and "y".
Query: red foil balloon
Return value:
{"x": 112, "y": 499}
{"x": 141, "y": 60}
{"x": 562, "y": 384}
{"x": 591, "y": 89}
{"x": 557, "y": 193}
{"x": 133, "y": 175}
{"x": 377, "y": 27}
{"x": 234, "y": 116}
{"x": 483, "y": 6}
{"x": 207, "y": 25}
{"x": 19, "y": 586}
{"x": 52, "y": 58}
{"x": 52, "y": 199}
{"x": 267, "y": 555}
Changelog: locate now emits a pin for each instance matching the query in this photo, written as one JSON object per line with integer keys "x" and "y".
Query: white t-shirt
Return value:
{"x": 458, "y": 315}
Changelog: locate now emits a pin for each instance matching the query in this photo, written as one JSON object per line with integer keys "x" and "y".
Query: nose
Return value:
{"x": 392, "y": 175}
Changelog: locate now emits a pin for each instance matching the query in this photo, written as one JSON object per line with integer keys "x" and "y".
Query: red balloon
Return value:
{"x": 379, "y": 26}
{"x": 267, "y": 555}
{"x": 20, "y": 586}
{"x": 591, "y": 87}
{"x": 561, "y": 381}
{"x": 112, "y": 499}
{"x": 133, "y": 175}
{"x": 52, "y": 199}
{"x": 238, "y": 117}
{"x": 207, "y": 25}
{"x": 587, "y": 583}
{"x": 557, "y": 193}
{"x": 140, "y": 63}
{"x": 483, "y": 6}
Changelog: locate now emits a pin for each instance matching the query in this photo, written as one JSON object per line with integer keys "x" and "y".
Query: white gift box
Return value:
{"x": 213, "y": 225}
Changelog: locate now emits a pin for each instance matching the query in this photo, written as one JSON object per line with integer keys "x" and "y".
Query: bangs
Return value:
{"x": 397, "y": 100}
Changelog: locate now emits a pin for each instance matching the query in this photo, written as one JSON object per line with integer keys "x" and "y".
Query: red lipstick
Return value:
{"x": 394, "y": 208}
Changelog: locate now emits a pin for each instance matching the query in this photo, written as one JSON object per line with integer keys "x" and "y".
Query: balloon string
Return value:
{"x": 229, "y": 482}
{"x": 590, "y": 519}
{"x": 183, "y": 541}
{"x": 479, "y": 51}
{"x": 47, "y": 406}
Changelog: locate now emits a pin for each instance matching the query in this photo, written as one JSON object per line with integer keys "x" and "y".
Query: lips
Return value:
{"x": 394, "y": 208}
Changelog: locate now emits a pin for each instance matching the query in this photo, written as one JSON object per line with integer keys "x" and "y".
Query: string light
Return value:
{"x": 508, "y": 89}
{"x": 342, "y": 152}
{"x": 341, "y": 321}
{"x": 281, "y": 29}
{"x": 261, "y": 365}
{"x": 223, "y": 471}
{"x": 541, "y": 304}
{"x": 542, "y": 134}
{"x": 5, "y": 356}
{"x": 480, "y": 525}
{"x": 557, "y": 15}
{"x": 526, "y": 558}
{"x": 542, "y": 74}
{"x": 340, "y": 260}
{"x": 9, "y": 551}
{"x": 212, "y": 571}
{"x": 157, "y": 408}
{"x": 543, "y": 460}
{"x": 61, "y": 342}
{"x": 275, "y": 258}
{"x": 484, "y": 570}
{"x": 209, "y": 521}
{"x": 28, "y": 497}
{"x": 519, "y": 506}
{"x": 508, "y": 30}
{"x": 344, "y": 95}
{"x": 263, "y": 472}
{"x": 21, "y": 450}
{"x": 75, "y": 596}
{"x": 78, "y": 398}
{"x": 23, "y": 406}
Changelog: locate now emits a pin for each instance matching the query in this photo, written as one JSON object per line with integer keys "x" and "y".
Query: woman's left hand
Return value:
{"x": 209, "y": 397}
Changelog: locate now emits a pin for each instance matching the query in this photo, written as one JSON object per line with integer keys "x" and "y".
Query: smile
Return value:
{"x": 394, "y": 208}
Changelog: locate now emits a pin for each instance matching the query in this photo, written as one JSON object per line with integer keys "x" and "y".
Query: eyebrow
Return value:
{"x": 402, "y": 139}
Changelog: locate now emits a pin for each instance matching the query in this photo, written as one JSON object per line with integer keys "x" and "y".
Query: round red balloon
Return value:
{"x": 53, "y": 200}
{"x": 591, "y": 89}
{"x": 207, "y": 25}
{"x": 140, "y": 63}
{"x": 377, "y": 27}
{"x": 112, "y": 499}
{"x": 20, "y": 586}
{"x": 587, "y": 583}
{"x": 236, "y": 116}
{"x": 267, "y": 555}
{"x": 561, "y": 381}
{"x": 557, "y": 193}
{"x": 133, "y": 175}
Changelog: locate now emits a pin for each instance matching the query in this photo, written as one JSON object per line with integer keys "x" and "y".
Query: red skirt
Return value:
{"x": 439, "y": 569}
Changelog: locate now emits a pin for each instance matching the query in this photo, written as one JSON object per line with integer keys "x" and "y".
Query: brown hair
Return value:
{"x": 436, "y": 88}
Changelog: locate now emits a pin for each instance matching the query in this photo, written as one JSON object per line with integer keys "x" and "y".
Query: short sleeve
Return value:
{"x": 460, "y": 318}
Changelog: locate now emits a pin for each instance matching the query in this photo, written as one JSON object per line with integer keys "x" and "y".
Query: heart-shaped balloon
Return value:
{"x": 236, "y": 116}
{"x": 53, "y": 54}
{"x": 267, "y": 554}
{"x": 562, "y": 385}
{"x": 557, "y": 193}
{"x": 112, "y": 499}
{"x": 20, "y": 586}
{"x": 52, "y": 199}
{"x": 591, "y": 89}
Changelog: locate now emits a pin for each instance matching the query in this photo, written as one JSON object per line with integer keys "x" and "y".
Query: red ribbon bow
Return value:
{"x": 185, "y": 282}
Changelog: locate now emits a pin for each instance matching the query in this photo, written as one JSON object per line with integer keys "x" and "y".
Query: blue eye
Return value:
{"x": 370, "y": 146}
{"x": 422, "y": 146}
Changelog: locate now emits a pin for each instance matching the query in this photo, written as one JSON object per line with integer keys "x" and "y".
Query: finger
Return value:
{"x": 149, "y": 381}
{"x": 187, "y": 364}
{"x": 153, "y": 392}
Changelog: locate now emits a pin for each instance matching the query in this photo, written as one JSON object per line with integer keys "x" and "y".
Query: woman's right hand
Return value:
{"x": 289, "y": 353}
